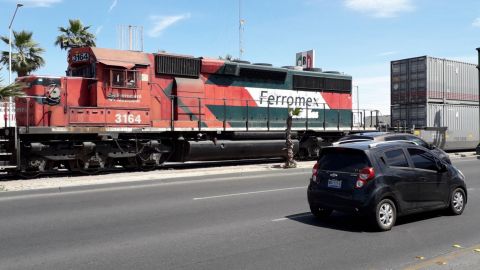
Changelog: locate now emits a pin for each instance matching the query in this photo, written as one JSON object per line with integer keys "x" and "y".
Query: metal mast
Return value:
{"x": 241, "y": 22}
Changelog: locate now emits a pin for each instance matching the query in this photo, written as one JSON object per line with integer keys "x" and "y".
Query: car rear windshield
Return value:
{"x": 343, "y": 160}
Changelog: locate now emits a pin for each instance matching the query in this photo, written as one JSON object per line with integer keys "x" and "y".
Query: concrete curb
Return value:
{"x": 126, "y": 177}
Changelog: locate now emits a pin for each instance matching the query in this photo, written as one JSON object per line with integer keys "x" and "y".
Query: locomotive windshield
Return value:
{"x": 86, "y": 70}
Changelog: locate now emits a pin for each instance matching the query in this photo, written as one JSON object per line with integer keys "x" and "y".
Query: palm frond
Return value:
{"x": 295, "y": 111}
{"x": 12, "y": 90}
{"x": 76, "y": 34}
{"x": 26, "y": 53}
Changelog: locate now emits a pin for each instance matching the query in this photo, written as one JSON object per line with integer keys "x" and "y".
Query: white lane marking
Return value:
{"x": 248, "y": 193}
{"x": 292, "y": 217}
{"x": 134, "y": 184}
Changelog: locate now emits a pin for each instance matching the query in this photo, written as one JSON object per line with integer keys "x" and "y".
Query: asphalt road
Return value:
{"x": 249, "y": 221}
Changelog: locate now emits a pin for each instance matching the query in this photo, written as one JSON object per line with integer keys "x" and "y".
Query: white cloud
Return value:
{"x": 387, "y": 53}
{"x": 476, "y": 22}
{"x": 380, "y": 8}
{"x": 113, "y": 5}
{"x": 160, "y": 23}
{"x": 98, "y": 30}
{"x": 40, "y": 3}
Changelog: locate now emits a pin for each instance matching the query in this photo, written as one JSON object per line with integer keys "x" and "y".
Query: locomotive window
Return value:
{"x": 124, "y": 78}
{"x": 86, "y": 71}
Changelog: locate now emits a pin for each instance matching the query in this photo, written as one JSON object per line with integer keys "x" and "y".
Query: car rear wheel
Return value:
{"x": 385, "y": 215}
{"x": 457, "y": 201}
{"x": 320, "y": 213}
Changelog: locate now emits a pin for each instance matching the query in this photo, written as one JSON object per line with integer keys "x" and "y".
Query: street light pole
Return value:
{"x": 358, "y": 105}
{"x": 10, "y": 99}
{"x": 358, "y": 99}
{"x": 478, "y": 67}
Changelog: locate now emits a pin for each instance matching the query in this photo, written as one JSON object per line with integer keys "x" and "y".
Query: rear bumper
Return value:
{"x": 356, "y": 203}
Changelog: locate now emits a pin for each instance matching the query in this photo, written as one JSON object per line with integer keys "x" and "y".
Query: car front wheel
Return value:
{"x": 385, "y": 215}
{"x": 457, "y": 201}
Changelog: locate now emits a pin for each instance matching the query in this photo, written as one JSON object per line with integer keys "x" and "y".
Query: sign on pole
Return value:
{"x": 306, "y": 59}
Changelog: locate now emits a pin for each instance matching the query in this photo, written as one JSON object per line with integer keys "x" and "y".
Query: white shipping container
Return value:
{"x": 461, "y": 121}
{"x": 430, "y": 79}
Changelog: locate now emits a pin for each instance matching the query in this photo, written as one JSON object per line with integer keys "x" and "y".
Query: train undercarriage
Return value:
{"x": 30, "y": 154}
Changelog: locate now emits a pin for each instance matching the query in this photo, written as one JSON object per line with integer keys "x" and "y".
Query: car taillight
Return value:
{"x": 315, "y": 171}
{"x": 364, "y": 176}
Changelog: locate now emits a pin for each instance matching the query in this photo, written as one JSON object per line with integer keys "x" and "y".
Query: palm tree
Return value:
{"x": 75, "y": 35}
{"x": 26, "y": 54}
{"x": 289, "y": 161}
{"x": 12, "y": 90}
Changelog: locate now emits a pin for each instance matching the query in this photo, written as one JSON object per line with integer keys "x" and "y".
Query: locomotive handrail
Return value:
{"x": 223, "y": 101}
{"x": 270, "y": 116}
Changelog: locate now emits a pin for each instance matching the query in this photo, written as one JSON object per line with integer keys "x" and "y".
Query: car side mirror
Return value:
{"x": 441, "y": 167}
{"x": 431, "y": 146}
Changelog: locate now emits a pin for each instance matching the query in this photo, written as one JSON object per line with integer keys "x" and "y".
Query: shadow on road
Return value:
{"x": 356, "y": 223}
{"x": 337, "y": 221}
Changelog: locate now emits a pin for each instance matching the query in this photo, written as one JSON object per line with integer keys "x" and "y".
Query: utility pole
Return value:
{"x": 10, "y": 99}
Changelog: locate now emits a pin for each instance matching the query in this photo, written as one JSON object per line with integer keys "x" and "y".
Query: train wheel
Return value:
{"x": 89, "y": 165}
{"x": 34, "y": 167}
{"x": 150, "y": 161}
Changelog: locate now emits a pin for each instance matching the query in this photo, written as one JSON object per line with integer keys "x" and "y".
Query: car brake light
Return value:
{"x": 315, "y": 171}
{"x": 364, "y": 176}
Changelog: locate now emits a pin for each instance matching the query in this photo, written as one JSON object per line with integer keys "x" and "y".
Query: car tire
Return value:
{"x": 385, "y": 215}
{"x": 320, "y": 213}
{"x": 457, "y": 202}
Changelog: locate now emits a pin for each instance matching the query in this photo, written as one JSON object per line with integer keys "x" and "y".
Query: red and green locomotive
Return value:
{"x": 125, "y": 109}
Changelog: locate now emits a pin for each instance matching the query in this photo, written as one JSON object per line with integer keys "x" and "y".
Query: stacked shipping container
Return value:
{"x": 439, "y": 97}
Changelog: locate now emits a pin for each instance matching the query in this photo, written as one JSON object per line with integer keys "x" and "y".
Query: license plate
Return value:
{"x": 334, "y": 183}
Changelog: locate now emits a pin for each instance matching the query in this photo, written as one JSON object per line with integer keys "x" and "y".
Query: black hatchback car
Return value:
{"x": 384, "y": 180}
{"x": 389, "y": 136}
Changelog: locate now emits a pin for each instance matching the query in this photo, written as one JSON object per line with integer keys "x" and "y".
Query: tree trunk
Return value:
{"x": 289, "y": 161}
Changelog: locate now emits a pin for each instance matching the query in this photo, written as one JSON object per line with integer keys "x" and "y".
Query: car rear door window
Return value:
{"x": 396, "y": 158}
{"x": 422, "y": 159}
{"x": 343, "y": 160}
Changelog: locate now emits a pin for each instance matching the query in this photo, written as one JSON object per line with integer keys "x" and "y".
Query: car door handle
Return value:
{"x": 424, "y": 179}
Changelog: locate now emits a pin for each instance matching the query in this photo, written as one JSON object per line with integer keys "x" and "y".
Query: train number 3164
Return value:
{"x": 124, "y": 118}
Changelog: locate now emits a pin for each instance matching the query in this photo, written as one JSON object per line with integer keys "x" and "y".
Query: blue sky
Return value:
{"x": 358, "y": 37}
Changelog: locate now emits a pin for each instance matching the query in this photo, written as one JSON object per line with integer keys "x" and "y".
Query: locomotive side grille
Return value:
{"x": 321, "y": 84}
{"x": 177, "y": 66}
